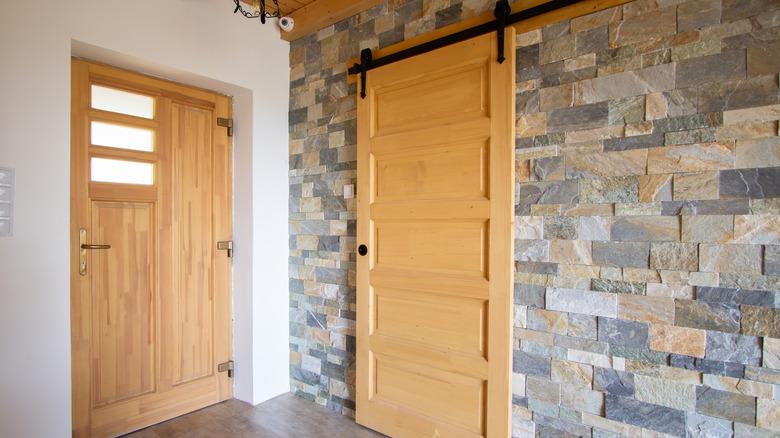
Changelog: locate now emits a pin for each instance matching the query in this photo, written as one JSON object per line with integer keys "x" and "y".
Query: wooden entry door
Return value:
{"x": 435, "y": 211}
{"x": 150, "y": 293}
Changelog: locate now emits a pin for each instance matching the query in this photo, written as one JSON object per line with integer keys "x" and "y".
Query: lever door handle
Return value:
{"x": 83, "y": 247}
{"x": 89, "y": 246}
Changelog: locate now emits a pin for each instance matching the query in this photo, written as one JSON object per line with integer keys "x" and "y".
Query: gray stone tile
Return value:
{"x": 618, "y": 286}
{"x": 557, "y": 192}
{"x": 730, "y": 406}
{"x": 720, "y": 368}
{"x": 722, "y": 67}
{"x": 646, "y": 415}
{"x": 750, "y": 183}
{"x": 449, "y": 15}
{"x": 738, "y": 9}
{"x": 623, "y": 189}
{"x": 753, "y": 92}
{"x": 731, "y": 347}
{"x": 623, "y": 333}
{"x": 548, "y": 168}
{"x": 738, "y": 296}
{"x": 592, "y": 41}
{"x": 621, "y": 254}
{"x": 529, "y": 294}
{"x": 655, "y": 139}
{"x": 702, "y": 426}
{"x": 699, "y": 13}
{"x": 772, "y": 260}
{"x": 578, "y": 117}
{"x": 707, "y": 315}
{"x": 705, "y": 207}
{"x": 560, "y": 227}
{"x": 530, "y": 364}
{"x": 613, "y": 382}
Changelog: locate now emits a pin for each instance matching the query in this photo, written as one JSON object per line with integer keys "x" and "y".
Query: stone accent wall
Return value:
{"x": 647, "y": 296}
{"x": 323, "y": 157}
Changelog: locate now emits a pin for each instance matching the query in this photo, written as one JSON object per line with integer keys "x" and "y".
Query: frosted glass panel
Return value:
{"x": 119, "y": 171}
{"x": 119, "y": 136}
{"x": 118, "y": 101}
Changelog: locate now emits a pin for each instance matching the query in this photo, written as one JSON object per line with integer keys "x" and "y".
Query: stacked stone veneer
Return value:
{"x": 647, "y": 296}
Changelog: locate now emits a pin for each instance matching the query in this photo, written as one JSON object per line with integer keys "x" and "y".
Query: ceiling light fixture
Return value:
{"x": 259, "y": 10}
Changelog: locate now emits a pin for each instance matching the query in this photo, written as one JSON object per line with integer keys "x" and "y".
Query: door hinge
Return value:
{"x": 226, "y": 245}
{"x": 226, "y": 366}
{"x": 226, "y": 123}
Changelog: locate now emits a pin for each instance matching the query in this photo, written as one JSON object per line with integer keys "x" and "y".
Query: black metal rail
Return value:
{"x": 503, "y": 18}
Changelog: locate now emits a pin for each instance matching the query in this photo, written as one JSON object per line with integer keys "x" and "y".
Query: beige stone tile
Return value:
{"x": 572, "y": 373}
{"x": 595, "y": 134}
{"x": 757, "y": 229}
{"x": 655, "y": 188}
{"x": 695, "y": 186}
{"x": 532, "y": 124}
{"x": 571, "y": 251}
{"x": 746, "y": 130}
{"x": 707, "y": 228}
{"x": 771, "y": 353}
{"x": 756, "y": 114}
{"x": 656, "y": 310}
{"x": 763, "y": 152}
{"x": 739, "y": 386}
{"x": 691, "y": 158}
{"x": 656, "y": 106}
{"x": 768, "y": 414}
{"x": 596, "y": 19}
{"x": 607, "y": 164}
{"x": 730, "y": 258}
{"x": 678, "y": 340}
{"x": 664, "y": 392}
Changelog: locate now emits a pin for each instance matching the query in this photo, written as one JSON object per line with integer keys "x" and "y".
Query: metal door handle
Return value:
{"x": 83, "y": 247}
{"x": 88, "y": 246}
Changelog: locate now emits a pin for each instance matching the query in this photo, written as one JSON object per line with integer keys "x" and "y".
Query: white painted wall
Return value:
{"x": 193, "y": 41}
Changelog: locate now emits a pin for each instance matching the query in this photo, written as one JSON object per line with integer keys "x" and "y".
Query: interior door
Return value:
{"x": 150, "y": 293}
{"x": 435, "y": 213}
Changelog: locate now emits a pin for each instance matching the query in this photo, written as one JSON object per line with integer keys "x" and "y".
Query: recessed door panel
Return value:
{"x": 446, "y": 95}
{"x": 445, "y": 172}
{"x": 432, "y": 245}
{"x": 437, "y": 320}
{"x": 445, "y": 396}
{"x": 123, "y": 322}
{"x": 192, "y": 212}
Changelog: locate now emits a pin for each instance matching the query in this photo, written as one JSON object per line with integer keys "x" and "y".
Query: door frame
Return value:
{"x": 83, "y": 72}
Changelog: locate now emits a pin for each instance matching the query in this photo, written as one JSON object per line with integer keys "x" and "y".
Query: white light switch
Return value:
{"x": 349, "y": 191}
{"x": 6, "y": 201}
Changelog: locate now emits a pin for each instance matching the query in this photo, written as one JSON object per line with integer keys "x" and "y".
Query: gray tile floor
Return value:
{"x": 283, "y": 416}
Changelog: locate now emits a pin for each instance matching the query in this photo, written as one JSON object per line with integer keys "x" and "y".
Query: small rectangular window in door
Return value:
{"x": 120, "y": 171}
{"x": 122, "y": 137}
{"x": 122, "y": 102}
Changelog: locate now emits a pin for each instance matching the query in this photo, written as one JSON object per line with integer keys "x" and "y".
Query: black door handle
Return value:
{"x": 362, "y": 250}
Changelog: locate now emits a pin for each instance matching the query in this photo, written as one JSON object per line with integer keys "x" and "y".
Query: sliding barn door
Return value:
{"x": 150, "y": 297}
{"x": 435, "y": 213}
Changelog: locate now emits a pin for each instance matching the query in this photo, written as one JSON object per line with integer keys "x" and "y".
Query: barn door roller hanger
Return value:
{"x": 504, "y": 18}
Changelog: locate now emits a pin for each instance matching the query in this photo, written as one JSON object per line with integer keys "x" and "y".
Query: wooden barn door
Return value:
{"x": 435, "y": 214}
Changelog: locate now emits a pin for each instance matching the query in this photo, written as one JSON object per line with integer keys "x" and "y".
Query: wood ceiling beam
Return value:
{"x": 322, "y": 13}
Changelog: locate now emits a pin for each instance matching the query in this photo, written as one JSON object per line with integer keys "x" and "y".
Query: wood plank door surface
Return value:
{"x": 435, "y": 212}
{"x": 150, "y": 299}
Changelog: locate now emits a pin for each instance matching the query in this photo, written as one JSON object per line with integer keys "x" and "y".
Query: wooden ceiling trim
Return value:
{"x": 322, "y": 13}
